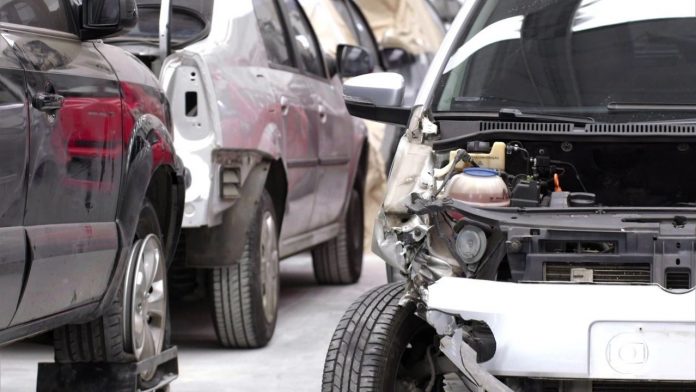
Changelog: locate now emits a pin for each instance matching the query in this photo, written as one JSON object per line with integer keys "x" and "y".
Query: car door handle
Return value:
{"x": 322, "y": 114}
{"x": 284, "y": 106}
{"x": 47, "y": 102}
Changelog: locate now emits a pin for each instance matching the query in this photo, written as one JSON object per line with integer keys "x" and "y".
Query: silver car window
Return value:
{"x": 367, "y": 41}
{"x": 271, "y": 27}
{"x": 308, "y": 49}
{"x": 46, "y": 14}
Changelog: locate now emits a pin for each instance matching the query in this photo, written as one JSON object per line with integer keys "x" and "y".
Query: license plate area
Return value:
{"x": 639, "y": 350}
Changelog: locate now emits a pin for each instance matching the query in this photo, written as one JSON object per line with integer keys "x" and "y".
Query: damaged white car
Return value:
{"x": 541, "y": 207}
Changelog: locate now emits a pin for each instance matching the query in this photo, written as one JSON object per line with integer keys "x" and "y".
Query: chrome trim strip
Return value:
{"x": 12, "y": 27}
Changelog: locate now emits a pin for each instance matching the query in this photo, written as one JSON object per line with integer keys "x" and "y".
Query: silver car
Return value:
{"x": 276, "y": 162}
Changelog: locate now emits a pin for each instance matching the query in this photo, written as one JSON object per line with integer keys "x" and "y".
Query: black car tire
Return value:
{"x": 241, "y": 317}
{"x": 371, "y": 341}
{"x": 105, "y": 339}
{"x": 339, "y": 261}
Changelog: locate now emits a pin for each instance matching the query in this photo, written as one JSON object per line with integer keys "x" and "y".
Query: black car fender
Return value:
{"x": 150, "y": 155}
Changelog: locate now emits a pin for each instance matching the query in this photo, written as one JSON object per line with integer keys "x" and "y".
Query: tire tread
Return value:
{"x": 334, "y": 262}
{"x": 360, "y": 347}
{"x": 238, "y": 314}
{"x": 232, "y": 307}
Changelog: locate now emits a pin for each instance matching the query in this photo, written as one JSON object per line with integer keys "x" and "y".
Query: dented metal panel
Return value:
{"x": 220, "y": 99}
{"x": 229, "y": 97}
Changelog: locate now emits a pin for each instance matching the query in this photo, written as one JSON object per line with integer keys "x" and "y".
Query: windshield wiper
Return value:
{"x": 517, "y": 114}
{"x": 132, "y": 40}
{"x": 650, "y": 107}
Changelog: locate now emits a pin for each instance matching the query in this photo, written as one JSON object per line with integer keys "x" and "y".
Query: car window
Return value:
{"x": 45, "y": 14}
{"x": 274, "y": 38}
{"x": 367, "y": 41}
{"x": 520, "y": 54}
{"x": 342, "y": 10}
{"x": 308, "y": 49}
{"x": 190, "y": 21}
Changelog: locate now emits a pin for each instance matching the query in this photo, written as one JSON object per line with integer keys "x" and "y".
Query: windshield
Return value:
{"x": 190, "y": 21}
{"x": 611, "y": 60}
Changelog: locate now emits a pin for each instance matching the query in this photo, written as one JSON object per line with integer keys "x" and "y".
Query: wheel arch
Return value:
{"x": 277, "y": 187}
{"x": 359, "y": 178}
{"x": 152, "y": 169}
{"x": 210, "y": 246}
{"x": 363, "y": 162}
{"x": 167, "y": 197}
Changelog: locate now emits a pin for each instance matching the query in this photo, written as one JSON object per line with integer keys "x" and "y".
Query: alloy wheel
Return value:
{"x": 148, "y": 300}
{"x": 269, "y": 266}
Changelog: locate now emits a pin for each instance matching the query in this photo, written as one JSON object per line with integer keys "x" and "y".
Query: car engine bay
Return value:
{"x": 566, "y": 174}
{"x": 551, "y": 206}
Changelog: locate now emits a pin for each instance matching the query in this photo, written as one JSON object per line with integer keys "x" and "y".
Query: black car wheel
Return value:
{"x": 136, "y": 325}
{"x": 245, "y": 295}
{"x": 380, "y": 346}
{"x": 339, "y": 261}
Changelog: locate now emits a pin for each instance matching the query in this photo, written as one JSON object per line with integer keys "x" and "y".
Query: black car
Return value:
{"x": 91, "y": 190}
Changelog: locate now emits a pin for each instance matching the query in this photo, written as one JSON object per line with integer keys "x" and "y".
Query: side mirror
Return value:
{"x": 353, "y": 61}
{"x": 395, "y": 58}
{"x": 103, "y": 18}
{"x": 377, "y": 97}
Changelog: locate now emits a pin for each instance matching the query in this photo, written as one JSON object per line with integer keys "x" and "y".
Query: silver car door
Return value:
{"x": 329, "y": 115}
{"x": 299, "y": 133}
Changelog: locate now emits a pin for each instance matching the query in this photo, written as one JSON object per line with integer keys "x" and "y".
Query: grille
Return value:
{"x": 601, "y": 273}
{"x": 525, "y": 126}
{"x": 617, "y": 386}
{"x": 562, "y": 246}
{"x": 230, "y": 183}
{"x": 605, "y": 386}
{"x": 678, "y": 279}
{"x": 598, "y": 128}
{"x": 642, "y": 128}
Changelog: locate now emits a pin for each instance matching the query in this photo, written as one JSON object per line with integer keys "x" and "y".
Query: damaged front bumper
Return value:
{"x": 570, "y": 331}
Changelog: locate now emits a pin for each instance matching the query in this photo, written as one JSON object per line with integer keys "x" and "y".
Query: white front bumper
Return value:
{"x": 578, "y": 331}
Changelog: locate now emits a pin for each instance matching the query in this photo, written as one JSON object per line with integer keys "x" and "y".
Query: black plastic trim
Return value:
{"x": 398, "y": 116}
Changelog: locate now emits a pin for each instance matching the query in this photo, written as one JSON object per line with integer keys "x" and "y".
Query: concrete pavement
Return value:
{"x": 293, "y": 361}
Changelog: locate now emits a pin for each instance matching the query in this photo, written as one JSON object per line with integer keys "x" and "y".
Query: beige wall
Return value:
{"x": 405, "y": 24}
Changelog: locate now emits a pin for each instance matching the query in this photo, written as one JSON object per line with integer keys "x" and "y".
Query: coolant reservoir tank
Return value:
{"x": 479, "y": 187}
{"x": 495, "y": 159}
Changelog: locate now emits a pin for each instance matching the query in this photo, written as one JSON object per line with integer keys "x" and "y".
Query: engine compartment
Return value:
{"x": 561, "y": 174}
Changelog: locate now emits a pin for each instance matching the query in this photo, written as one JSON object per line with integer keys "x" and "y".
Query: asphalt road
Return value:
{"x": 293, "y": 361}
